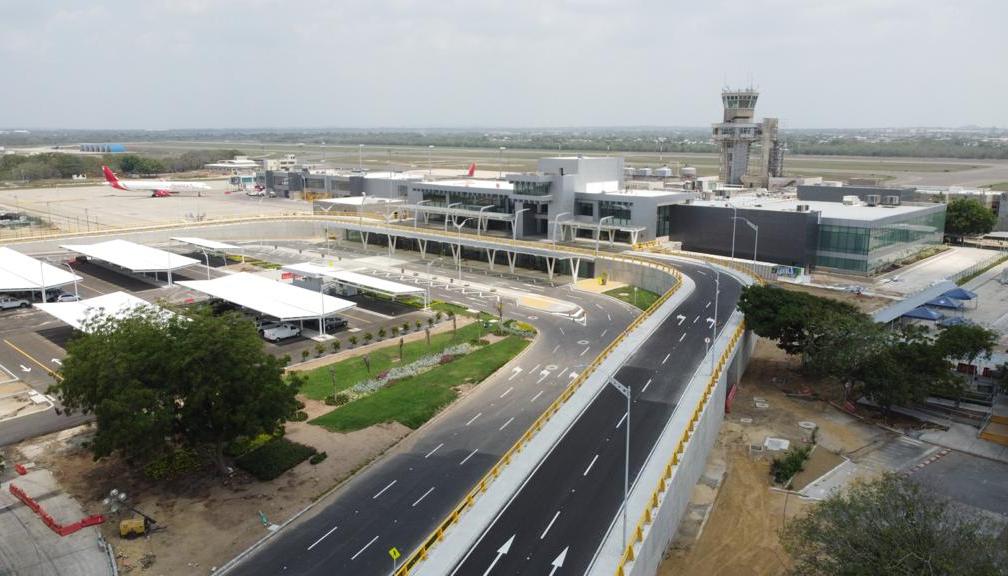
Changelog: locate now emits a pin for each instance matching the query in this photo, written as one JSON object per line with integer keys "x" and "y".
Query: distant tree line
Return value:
{"x": 57, "y": 165}
{"x": 836, "y": 341}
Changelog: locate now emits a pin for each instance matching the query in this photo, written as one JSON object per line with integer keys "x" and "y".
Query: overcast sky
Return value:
{"x": 517, "y": 63}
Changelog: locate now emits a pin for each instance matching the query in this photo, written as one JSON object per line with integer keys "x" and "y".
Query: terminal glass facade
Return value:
{"x": 869, "y": 247}
{"x": 620, "y": 211}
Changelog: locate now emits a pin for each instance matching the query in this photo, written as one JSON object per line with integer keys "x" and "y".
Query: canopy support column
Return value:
{"x": 423, "y": 249}
{"x": 550, "y": 265}
{"x": 511, "y": 260}
{"x": 491, "y": 256}
{"x": 575, "y": 264}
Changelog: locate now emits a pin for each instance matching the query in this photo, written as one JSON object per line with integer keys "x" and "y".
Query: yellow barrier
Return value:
{"x": 647, "y": 518}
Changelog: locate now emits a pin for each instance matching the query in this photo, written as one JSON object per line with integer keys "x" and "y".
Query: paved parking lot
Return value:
{"x": 975, "y": 481}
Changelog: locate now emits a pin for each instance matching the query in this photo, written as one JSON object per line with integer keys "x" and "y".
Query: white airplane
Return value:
{"x": 159, "y": 188}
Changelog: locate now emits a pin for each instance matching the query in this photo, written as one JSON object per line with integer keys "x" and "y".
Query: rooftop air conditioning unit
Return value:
{"x": 873, "y": 199}
{"x": 892, "y": 201}
{"x": 851, "y": 200}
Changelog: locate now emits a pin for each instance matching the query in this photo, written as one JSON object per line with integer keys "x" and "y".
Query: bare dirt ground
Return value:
{"x": 206, "y": 522}
{"x": 741, "y": 536}
{"x": 864, "y": 303}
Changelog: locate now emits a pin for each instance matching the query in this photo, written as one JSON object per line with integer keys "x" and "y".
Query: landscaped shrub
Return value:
{"x": 317, "y": 457}
{"x": 243, "y": 445}
{"x": 299, "y": 416}
{"x": 430, "y": 322}
{"x": 438, "y": 315}
{"x": 793, "y": 462}
{"x": 368, "y": 337}
{"x": 353, "y": 340}
{"x": 335, "y": 345}
{"x": 304, "y": 355}
{"x": 405, "y": 327}
{"x": 418, "y": 325}
{"x": 395, "y": 331}
{"x": 172, "y": 464}
{"x": 319, "y": 349}
{"x": 382, "y": 333}
{"x": 274, "y": 458}
{"x": 338, "y": 399}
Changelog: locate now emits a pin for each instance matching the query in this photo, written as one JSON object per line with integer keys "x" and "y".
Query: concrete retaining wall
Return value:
{"x": 635, "y": 275}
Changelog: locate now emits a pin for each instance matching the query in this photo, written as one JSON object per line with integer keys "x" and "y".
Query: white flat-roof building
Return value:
{"x": 135, "y": 258}
{"x": 22, "y": 273}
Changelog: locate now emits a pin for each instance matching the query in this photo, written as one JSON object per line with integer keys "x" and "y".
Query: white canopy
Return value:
{"x": 208, "y": 244}
{"x": 355, "y": 279}
{"x": 133, "y": 257}
{"x": 115, "y": 304}
{"x": 21, "y": 273}
{"x": 269, "y": 297}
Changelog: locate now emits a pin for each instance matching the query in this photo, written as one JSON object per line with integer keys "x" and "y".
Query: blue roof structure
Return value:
{"x": 945, "y": 302}
{"x": 954, "y": 321}
{"x": 924, "y": 313}
{"x": 961, "y": 294}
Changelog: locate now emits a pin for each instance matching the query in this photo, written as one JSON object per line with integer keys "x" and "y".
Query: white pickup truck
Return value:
{"x": 6, "y": 303}
{"x": 276, "y": 332}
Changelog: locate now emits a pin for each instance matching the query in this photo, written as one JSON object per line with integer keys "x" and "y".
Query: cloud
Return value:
{"x": 230, "y": 63}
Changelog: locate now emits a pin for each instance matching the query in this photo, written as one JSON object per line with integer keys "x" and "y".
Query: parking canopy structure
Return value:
{"x": 22, "y": 273}
{"x": 115, "y": 304}
{"x": 271, "y": 298}
{"x": 133, "y": 257}
{"x": 213, "y": 245}
{"x": 357, "y": 280}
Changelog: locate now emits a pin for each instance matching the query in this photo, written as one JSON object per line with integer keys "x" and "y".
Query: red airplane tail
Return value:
{"x": 110, "y": 177}
{"x": 472, "y": 170}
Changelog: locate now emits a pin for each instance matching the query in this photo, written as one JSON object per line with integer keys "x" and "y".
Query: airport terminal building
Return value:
{"x": 843, "y": 229}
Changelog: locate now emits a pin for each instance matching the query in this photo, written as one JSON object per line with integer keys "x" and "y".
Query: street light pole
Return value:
{"x": 598, "y": 233}
{"x": 625, "y": 390}
{"x": 459, "y": 228}
{"x": 360, "y": 157}
{"x": 755, "y": 228}
{"x": 76, "y": 293}
{"x": 717, "y": 293}
{"x": 430, "y": 165}
{"x": 556, "y": 222}
{"x": 205, "y": 255}
{"x": 500, "y": 162}
{"x": 514, "y": 224}
{"x": 734, "y": 221}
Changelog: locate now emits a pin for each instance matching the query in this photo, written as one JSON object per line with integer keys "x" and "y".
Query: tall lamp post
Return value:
{"x": 514, "y": 224}
{"x": 625, "y": 390}
{"x": 458, "y": 226}
{"x": 598, "y": 233}
{"x": 755, "y": 241}
{"x": 500, "y": 162}
{"x": 207, "y": 256}
{"x": 449, "y": 207}
{"x": 430, "y": 165}
{"x": 360, "y": 157}
{"x": 479, "y": 222}
{"x": 76, "y": 293}
{"x": 556, "y": 222}
{"x": 734, "y": 217}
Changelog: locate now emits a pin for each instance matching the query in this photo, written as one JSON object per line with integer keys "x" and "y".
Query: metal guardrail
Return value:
{"x": 656, "y": 495}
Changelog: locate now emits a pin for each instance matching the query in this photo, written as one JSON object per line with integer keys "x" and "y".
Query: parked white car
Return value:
{"x": 67, "y": 298}
{"x": 6, "y": 303}
{"x": 280, "y": 332}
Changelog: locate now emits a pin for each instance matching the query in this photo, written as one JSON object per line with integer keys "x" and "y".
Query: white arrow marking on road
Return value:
{"x": 710, "y": 321}
{"x": 500, "y": 552}
{"x": 680, "y": 318}
{"x": 25, "y": 368}
{"x": 558, "y": 561}
{"x": 57, "y": 361}
{"x": 517, "y": 371}
{"x": 544, "y": 376}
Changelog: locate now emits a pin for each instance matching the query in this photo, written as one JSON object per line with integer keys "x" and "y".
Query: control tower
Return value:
{"x": 739, "y": 134}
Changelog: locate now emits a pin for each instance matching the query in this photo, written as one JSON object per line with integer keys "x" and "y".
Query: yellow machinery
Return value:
{"x": 132, "y": 527}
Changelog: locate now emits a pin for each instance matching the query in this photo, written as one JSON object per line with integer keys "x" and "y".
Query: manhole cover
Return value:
{"x": 533, "y": 317}
{"x": 583, "y": 342}
{"x": 551, "y": 367}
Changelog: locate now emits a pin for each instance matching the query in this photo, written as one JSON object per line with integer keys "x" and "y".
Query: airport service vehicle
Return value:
{"x": 158, "y": 188}
{"x": 6, "y": 303}
{"x": 280, "y": 332}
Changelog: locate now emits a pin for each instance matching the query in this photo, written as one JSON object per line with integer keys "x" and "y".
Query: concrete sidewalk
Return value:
{"x": 29, "y": 548}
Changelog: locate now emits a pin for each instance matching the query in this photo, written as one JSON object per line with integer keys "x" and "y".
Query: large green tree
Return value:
{"x": 156, "y": 383}
{"x": 794, "y": 319}
{"x": 968, "y": 217}
{"x": 891, "y": 526}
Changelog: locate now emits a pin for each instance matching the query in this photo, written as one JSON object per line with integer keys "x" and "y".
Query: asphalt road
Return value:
{"x": 398, "y": 501}
{"x": 972, "y": 480}
{"x": 558, "y": 519}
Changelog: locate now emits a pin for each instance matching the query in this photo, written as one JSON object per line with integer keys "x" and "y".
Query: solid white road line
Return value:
{"x": 473, "y": 419}
{"x": 644, "y": 389}
{"x": 666, "y": 358}
{"x": 436, "y": 448}
{"x": 506, "y": 392}
{"x": 422, "y": 497}
{"x": 621, "y": 420}
{"x": 536, "y": 397}
{"x": 683, "y": 337}
{"x": 354, "y": 557}
{"x": 466, "y": 459}
{"x": 550, "y": 525}
{"x": 382, "y": 491}
{"x": 323, "y": 537}
{"x": 590, "y": 464}
{"x": 511, "y": 419}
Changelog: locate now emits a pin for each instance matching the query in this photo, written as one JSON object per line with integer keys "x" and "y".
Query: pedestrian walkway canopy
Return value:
{"x": 214, "y": 245}
{"x": 924, "y": 313}
{"x": 269, "y": 297}
{"x": 911, "y": 302}
{"x": 136, "y": 258}
{"x": 945, "y": 302}
{"x": 115, "y": 304}
{"x": 357, "y": 280}
{"x": 961, "y": 294}
{"x": 22, "y": 273}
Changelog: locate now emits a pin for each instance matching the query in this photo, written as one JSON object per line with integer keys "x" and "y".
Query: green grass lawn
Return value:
{"x": 644, "y": 299}
{"x": 999, "y": 186}
{"x": 351, "y": 371}
{"x": 413, "y": 401}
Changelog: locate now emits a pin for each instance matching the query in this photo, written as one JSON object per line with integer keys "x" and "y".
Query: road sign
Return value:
{"x": 394, "y": 553}
{"x": 622, "y": 389}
